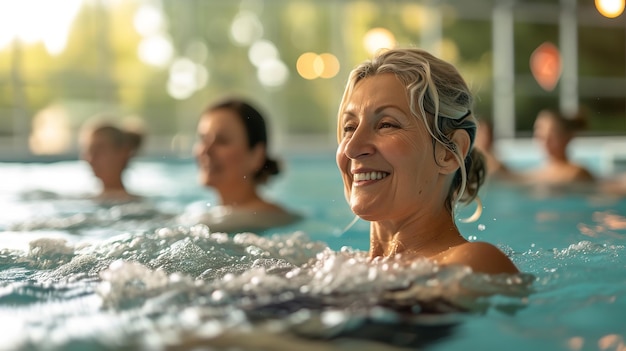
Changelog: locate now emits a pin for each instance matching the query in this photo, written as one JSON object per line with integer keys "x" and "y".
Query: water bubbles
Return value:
{"x": 218, "y": 295}
{"x": 49, "y": 253}
{"x": 482, "y": 227}
{"x": 254, "y": 251}
{"x": 199, "y": 230}
{"x": 210, "y": 329}
{"x": 333, "y": 317}
{"x": 185, "y": 282}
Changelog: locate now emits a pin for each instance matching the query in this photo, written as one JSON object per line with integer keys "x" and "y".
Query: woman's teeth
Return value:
{"x": 369, "y": 176}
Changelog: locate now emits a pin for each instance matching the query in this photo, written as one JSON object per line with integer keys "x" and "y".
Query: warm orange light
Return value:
{"x": 306, "y": 65}
{"x": 330, "y": 65}
{"x": 311, "y": 65}
{"x": 610, "y": 8}
{"x": 378, "y": 38}
{"x": 545, "y": 65}
{"x": 50, "y": 131}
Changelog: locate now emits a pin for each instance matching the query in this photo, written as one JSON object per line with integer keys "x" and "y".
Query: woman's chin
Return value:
{"x": 364, "y": 213}
{"x": 205, "y": 180}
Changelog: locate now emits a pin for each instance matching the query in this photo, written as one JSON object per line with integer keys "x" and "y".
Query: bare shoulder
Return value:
{"x": 582, "y": 174}
{"x": 482, "y": 257}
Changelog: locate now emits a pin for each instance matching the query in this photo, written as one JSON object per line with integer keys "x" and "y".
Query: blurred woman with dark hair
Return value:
{"x": 232, "y": 157}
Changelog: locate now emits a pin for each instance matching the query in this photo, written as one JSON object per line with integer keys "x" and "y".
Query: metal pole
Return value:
{"x": 503, "y": 70}
{"x": 21, "y": 120}
{"x": 568, "y": 41}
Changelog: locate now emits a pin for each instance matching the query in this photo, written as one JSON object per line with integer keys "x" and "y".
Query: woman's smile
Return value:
{"x": 363, "y": 178}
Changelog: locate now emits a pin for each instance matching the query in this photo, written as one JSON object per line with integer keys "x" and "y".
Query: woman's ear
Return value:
{"x": 447, "y": 159}
{"x": 258, "y": 157}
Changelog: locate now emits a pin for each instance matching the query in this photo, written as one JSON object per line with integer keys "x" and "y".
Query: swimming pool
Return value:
{"x": 79, "y": 276}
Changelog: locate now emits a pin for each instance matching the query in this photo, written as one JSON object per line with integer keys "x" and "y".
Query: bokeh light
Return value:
{"x": 186, "y": 77}
{"x": 545, "y": 65}
{"x": 303, "y": 17}
{"x": 246, "y": 29}
{"x": 306, "y": 65}
{"x": 148, "y": 20}
{"x": 32, "y": 21}
{"x": 330, "y": 65}
{"x": 378, "y": 38}
{"x": 273, "y": 73}
{"x": 261, "y": 51}
{"x": 155, "y": 50}
{"x": 311, "y": 65}
{"x": 50, "y": 132}
{"x": 610, "y": 8}
{"x": 197, "y": 51}
{"x": 449, "y": 50}
{"x": 413, "y": 17}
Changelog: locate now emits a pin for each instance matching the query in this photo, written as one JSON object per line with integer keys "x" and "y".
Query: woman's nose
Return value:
{"x": 87, "y": 156}
{"x": 360, "y": 143}
{"x": 202, "y": 148}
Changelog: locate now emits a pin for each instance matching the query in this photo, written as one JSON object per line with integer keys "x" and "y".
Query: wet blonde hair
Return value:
{"x": 440, "y": 96}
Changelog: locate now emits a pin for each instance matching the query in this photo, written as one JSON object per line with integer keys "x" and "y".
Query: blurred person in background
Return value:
{"x": 554, "y": 132}
{"x": 614, "y": 185}
{"x": 484, "y": 143}
{"x": 108, "y": 150}
{"x": 232, "y": 157}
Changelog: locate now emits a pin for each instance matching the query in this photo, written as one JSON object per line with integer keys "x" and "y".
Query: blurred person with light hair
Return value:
{"x": 108, "y": 149}
{"x": 485, "y": 143}
{"x": 554, "y": 132}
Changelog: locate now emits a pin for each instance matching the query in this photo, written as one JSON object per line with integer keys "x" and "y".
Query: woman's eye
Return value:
{"x": 220, "y": 140}
{"x": 387, "y": 125}
{"x": 349, "y": 129}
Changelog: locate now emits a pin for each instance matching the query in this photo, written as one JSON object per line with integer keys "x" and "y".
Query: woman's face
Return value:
{"x": 106, "y": 159}
{"x": 224, "y": 158}
{"x": 385, "y": 154}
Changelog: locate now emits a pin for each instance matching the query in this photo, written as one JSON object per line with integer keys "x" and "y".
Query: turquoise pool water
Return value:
{"x": 75, "y": 275}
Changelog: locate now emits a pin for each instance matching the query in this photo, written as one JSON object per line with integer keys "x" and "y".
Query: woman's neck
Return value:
{"x": 243, "y": 196}
{"x": 112, "y": 185}
{"x": 415, "y": 236}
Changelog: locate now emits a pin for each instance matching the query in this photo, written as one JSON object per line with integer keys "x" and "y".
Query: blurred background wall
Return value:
{"x": 158, "y": 63}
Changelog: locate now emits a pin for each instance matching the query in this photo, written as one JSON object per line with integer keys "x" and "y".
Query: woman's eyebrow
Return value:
{"x": 347, "y": 114}
{"x": 384, "y": 107}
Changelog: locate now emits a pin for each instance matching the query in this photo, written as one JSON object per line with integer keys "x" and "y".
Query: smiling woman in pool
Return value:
{"x": 405, "y": 152}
